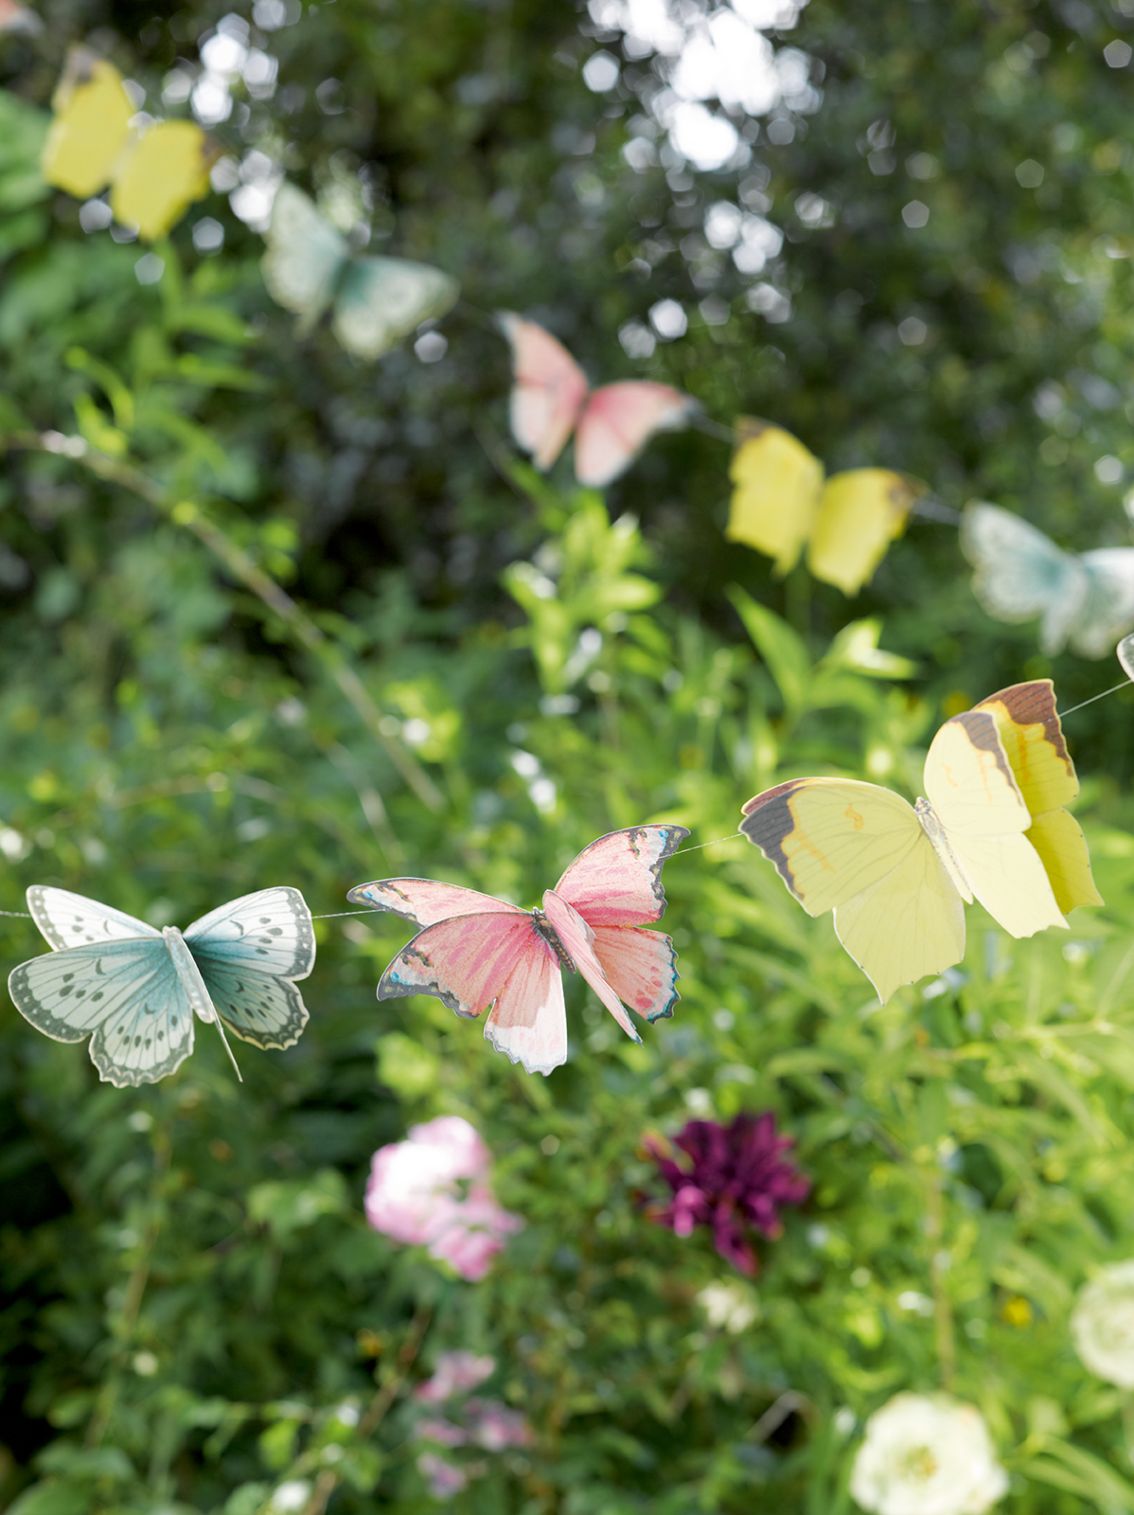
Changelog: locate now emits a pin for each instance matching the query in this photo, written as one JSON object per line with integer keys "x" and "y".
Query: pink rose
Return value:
{"x": 433, "y": 1190}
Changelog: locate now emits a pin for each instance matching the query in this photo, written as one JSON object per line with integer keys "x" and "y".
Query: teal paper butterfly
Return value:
{"x": 1085, "y": 599}
{"x": 374, "y": 302}
{"x": 135, "y": 991}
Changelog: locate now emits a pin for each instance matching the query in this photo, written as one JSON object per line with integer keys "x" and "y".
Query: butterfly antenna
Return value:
{"x": 228, "y": 1049}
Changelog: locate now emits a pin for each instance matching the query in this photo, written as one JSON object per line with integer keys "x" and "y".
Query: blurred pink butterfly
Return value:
{"x": 473, "y": 951}
{"x": 551, "y": 397}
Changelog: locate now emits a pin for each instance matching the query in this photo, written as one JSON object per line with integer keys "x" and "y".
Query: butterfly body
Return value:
{"x": 478, "y": 953}
{"x": 992, "y": 827}
{"x": 136, "y": 991}
{"x": 551, "y": 398}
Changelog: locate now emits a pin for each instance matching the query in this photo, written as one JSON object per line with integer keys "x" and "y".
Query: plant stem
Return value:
{"x": 135, "y": 1292}
{"x": 189, "y": 516}
{"x": 943, "y": 1331}
{"x": 328, "y": 1480}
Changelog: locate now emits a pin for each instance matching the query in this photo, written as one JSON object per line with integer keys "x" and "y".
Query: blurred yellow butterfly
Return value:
{"x": 993, "y": 828}
{"x": 781, "y": 502}
{"x": 155, "y": 173}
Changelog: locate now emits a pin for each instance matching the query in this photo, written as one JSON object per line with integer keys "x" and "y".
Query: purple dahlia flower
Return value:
{"x": 735, "y": 1179}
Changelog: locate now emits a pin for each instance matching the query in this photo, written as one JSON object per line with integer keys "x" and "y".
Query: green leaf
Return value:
{"x": 782, "y": 650}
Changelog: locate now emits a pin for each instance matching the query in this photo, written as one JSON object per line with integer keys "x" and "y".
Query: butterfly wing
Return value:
{"x": 381, "y": 300}
{"x": 776, "y": 489}
{"x": 424, "y": 901}
{"x": 616, "y": 880}
{"x": 1108, "y": 610}
{"x": 305, "y": 256}
{"x": 247, "y": 952}
{"x": 548, "y": 389}
{"x": 72, "y": 920}
{"x": 466, "y": 961}
{"x": 268, "y": 1012}
{"x": 860, "y": 513}
{"x": 1021, "y": 574}
{"x": 577, "y": 940}
{"x": 1030, "y": 731}
{"x": 1124, "y": 652}
{"x": 161, "y": 172}
{"x": 858, "y": 849}
{"x": 123, "y": 993}
{"x": 616, "y": 423}
{"x": 615, "y": 886}
{"x": 90, "y": 126}
{"x": 970, "y": 785}
{"x": 528, "y": 1022}
{"x": 909, "y": 924}
{"x": 640, "y": 966}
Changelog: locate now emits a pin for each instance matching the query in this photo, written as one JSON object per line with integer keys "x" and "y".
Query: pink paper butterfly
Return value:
{"x": 474, "y": 951}
{"x": 551, "y": 397}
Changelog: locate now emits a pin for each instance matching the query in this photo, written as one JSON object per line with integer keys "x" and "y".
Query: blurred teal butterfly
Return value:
{"x": 135, "y": 991}
{"x": 374, "y": 302}
{"x": 1085, "y": 599}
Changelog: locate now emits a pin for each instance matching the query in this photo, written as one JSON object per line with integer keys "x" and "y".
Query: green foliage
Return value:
{"x": 275, "y": 617}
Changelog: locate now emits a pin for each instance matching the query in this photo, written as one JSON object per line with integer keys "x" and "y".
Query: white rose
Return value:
{"x": 1102, "y": 1324}
{"x": 924, "y": 1455}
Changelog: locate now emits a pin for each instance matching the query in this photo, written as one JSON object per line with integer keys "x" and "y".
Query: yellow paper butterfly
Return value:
{"x": 155, "y": 173}
{"x": 992, "y": 827}
{"x": 781, "y": 502}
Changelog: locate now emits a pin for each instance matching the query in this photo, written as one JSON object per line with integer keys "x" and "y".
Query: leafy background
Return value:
{"x": 471, "y": 672}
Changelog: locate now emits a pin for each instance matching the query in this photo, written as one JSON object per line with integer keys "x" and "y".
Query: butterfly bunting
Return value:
{"x": 477, "y": 953}
{"x": 551, "y": 399}
{"x": 136, "y": 991}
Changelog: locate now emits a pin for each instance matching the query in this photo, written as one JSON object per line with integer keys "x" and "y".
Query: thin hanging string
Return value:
{"x": 337, "y": 915}
{"x": 930, "y": 508}
{"x": 1082, "y": 705}
{"x": 713, "y": 843}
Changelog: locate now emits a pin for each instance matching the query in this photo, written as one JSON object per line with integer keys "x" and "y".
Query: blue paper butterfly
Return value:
{"x": 1085, "y": 599}
{"x": 374, "y": 302}
{"x": 135, "y": 991}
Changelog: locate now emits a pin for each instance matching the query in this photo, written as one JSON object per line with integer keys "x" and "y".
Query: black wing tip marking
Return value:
{"x": 672, "y": 836}
{"x": 767, "y": 821}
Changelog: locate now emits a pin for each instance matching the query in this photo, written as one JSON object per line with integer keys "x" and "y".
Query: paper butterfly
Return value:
{"x": 17, "y": 18}
{"x": 155, "y": 172}
{"x": 374, "y": 302}
{"x": 781, "y": 502}
{"x": 1086, "y": 599}
{"x": 474, "y": 951}
{"x": 1124, "y": 652}
{"x": 992, "y": 827}
{"x": 135, "y": 991}
{"x": 551, "y": 398}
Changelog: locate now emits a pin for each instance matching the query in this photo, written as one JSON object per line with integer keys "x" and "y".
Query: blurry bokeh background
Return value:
{"x": 903, "y": 232}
